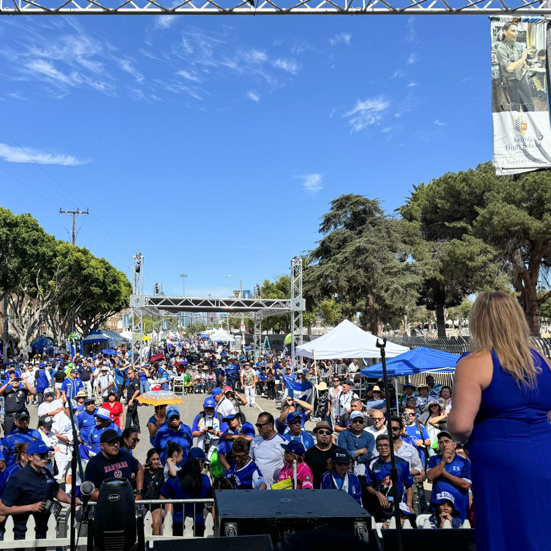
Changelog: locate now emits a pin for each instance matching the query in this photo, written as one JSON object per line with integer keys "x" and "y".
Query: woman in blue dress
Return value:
{"x": 501, "y": 401}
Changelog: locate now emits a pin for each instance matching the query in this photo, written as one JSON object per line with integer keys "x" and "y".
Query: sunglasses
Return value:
{"x": 113, "y": 442}
{"x": 260, "y": 425}
{"x": 45, "y": 455}
{"x": 395, "y": 429}
{"x": 174, "y": 417}
{"x": 324, "y": 432}
{"x": 294, "y": 422}
{"x": 358, "y": 421}
{"x": 134, "y": 440}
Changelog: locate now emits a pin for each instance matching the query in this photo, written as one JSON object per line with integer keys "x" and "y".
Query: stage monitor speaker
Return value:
{"x": 281, "y": 513}
{"x": 240, "y": 543}
{"x": 423, "y": 539}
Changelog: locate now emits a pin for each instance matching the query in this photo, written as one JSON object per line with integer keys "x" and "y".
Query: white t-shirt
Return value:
{"x": 225, "y": 408}
{"x": 62, "y": 426}
{"x": 268, "y": 456}
{"x": 374, "y": 432}
{"x": 47, "y": 407}
{"x": 345, "y": 401}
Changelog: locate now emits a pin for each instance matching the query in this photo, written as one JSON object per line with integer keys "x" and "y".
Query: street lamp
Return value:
{"x": 242, "y": 316}
{"x": 183, "y": 276}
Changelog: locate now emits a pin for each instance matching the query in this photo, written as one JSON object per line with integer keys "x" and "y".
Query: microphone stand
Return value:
{"x": 381, "y": 344}
{"x": 75, "y": 460}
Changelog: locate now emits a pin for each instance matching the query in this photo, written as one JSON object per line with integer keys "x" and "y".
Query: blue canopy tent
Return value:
{"x": 42, "y": 344}
{"x": 417, "y": 360}
{"x": 105, "y": 339}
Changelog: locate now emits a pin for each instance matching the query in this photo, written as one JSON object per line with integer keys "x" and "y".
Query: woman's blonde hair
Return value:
{"x": 497, "y": 322}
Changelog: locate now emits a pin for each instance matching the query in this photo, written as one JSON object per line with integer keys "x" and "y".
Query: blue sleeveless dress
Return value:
{"x": 510, "y": 449}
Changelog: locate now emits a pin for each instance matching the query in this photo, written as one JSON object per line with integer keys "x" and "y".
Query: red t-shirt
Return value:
{"x": 115, "y": 412}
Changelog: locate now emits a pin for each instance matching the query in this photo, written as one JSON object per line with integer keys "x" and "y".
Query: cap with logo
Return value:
{"x": 341, "y": 457}
{"x": 294, "y": 446}
{"x": 37, "y": 446}
{"x": 21, "y": 415}
{"x": 49, "y": 391}
{"x": 171, "y": 412}
{"x": 209, "y": 403}
{"x": 293, "y": 416}
{"x": 103, "y": 413}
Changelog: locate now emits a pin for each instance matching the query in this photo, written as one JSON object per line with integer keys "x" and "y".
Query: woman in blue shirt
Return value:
{"x": 188, "y": 484}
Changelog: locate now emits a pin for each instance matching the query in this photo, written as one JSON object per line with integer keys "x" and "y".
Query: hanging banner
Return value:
{"x": 522, "y": 133}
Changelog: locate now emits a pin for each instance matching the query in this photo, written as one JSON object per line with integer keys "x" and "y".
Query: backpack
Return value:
{"x": 216, "y": 468}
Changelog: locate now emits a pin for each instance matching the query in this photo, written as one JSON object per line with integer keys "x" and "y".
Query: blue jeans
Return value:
{"x": 144, "y": 387}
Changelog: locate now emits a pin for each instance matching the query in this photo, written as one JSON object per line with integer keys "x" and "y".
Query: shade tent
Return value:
{"x": 347, "y": 341}
{"x": 107, "y": 339}
{"x": 222, "y": 336}
{"x": 418, "y": 360}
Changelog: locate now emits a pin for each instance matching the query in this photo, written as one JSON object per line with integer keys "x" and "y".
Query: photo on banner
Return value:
{"x": 520, "y": 109}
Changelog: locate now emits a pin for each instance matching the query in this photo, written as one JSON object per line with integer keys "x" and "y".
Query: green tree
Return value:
{"x": 455, "y": 261}
{"x": 363, "y": 261}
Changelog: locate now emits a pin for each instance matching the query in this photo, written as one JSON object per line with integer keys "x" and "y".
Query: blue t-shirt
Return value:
{"x": 377, "y": 475}
{"x": 172, "y": 489}
{"x": 225, "y": 446}
{"x": 332, "y": 481}
{"x": 247, "y": 478}
{"x": 86, "y": 422}
{"x": 181, "y": 436}
{"x": 459, "y": 467}
{"x": 154, "y": 421}
{"x": 415, "y": 433}
{"x": 305, "y": 438}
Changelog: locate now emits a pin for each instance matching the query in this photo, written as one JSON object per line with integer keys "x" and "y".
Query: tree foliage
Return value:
{"x": 363, "y": 262}
{"x": 53, "y": 283}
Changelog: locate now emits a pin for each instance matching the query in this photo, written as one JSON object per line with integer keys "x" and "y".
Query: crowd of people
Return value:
{"x": 92, "y": 403}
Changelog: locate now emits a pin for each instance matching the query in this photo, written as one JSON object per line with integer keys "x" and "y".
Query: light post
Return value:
{"x": 183, "y": 276}
{"x": 242, "y": 316}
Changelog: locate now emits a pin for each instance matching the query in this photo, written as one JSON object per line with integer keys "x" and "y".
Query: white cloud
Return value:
{"x": 410, "y": 30}
{"x": 288, "y": 65}
{"x": 254, "y": 96}
{"x": 412, "y": 58}
{"x": 312, "y": 182}
{"x": 188, "y": 75}
{"x": 343, "y": 38}
{"x": 127, "y": 66}
{"x": 165, "y": 21}
{"x": 398, "y": 74}
{"x": 439, "y": 123}
{"x": 367, "y": 113}
{"x": 412, "y": 84}
{"x": 30, "y": 155}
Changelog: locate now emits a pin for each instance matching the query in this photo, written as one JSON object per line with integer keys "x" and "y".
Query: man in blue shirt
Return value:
{"x": 21, "y": 434}
{"x": 449, "y": 472}
{"x": 358, "y": 443}
{"x": 71, "y": 385}
{"x": 234, "y": 430}
{"x": 174, "y": 431}
{"x": 296, "y": 432}
{"x": 86, "y": 421}
{"x": 379, "y": 484}
{"x": 417, "y": 433}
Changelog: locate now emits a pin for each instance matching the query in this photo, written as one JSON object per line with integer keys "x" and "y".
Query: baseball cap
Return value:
{"x": 216, "y": 391}
{"x": 228, "y": 389}
{"x": 171, "y": 412}
{"x": 440, "y": 497}
{"x": 108, "y": 435}
{"x": 405, "y": 509}
{"x": 46, "y": 421}
{"x": 198, "y": 453}
{"x": 21, "y": 415}
{"x": 293, "y": 416}
{"x": 294, "y": 446}
{"x": 103, "y": 413}
{"x": 409, "y": 385}
{"x": 444, "y": 433}
{"x": 49, "y": 391}
{"x": 356, "y": 414}
{"x": 209, "y": 403}
{"x": 341, "y": 457}
{"x": 322, "y": 425}
{"x": 37, "y": 446}
{"x": 230, "y": 417}
{"x": 89, "y": 401}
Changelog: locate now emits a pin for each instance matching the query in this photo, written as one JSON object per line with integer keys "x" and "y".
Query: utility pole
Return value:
{"x": 75, "y": 213}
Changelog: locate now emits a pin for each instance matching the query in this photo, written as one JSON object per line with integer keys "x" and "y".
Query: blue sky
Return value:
{"x": 213, "y": 145}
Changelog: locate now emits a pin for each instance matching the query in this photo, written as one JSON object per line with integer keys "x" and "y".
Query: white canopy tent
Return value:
{"x": 221, "y": 336}
{"x": 347, "y": 341}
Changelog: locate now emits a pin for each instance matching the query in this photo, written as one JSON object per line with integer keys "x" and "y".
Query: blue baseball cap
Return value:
{"x": 216, "y": 391}
{"x": 198, "y": 453}
{"x": 440, "y": 497}
{"x": 209, "y": 403}
{"x": 293, "y": 416}
{"x": 37, "y": 446}
{"x": 294, "y": 446}
{"x": 230, "y": 417}
{"x": 172, "y": 411}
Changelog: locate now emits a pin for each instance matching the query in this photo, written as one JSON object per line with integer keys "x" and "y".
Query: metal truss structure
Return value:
{"x": 254, "y": 308}
{"x": 298, "y": 305}
{"x": 275, "y": 7}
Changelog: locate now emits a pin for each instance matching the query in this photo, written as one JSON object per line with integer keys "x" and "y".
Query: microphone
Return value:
{"x": 86, "y": 489}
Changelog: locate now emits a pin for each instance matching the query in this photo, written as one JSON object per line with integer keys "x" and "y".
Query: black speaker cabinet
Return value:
{"x": 243, "y": 543}
{"x": 423, "y": 539}
{"x": 280, "y": 513}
